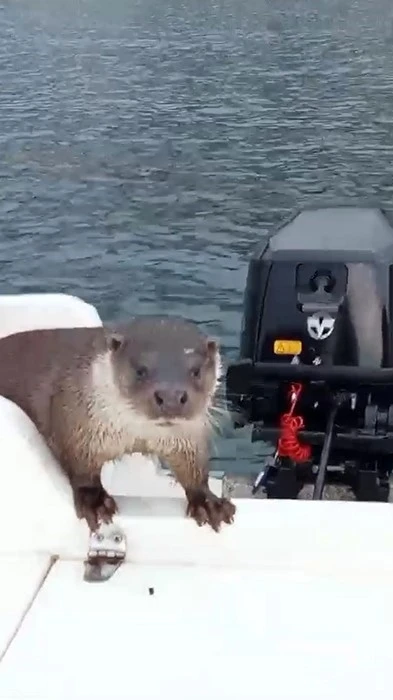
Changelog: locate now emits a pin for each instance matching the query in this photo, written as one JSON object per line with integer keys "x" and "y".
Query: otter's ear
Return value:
{"x": 115, "y": 341}
{"x": 212, "y": 347}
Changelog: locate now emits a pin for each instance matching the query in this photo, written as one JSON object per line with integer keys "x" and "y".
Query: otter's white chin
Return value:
{"x": 172, "y": 422}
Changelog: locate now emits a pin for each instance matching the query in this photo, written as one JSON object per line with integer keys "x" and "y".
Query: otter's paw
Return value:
{"x": 95, "y": 505}
{"x": 206, "y": 508}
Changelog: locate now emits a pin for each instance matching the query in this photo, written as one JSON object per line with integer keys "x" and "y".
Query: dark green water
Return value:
{"x": 145, "y": 146}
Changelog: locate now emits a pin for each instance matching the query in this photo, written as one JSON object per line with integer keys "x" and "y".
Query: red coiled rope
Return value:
{"x": 288, "y": 444}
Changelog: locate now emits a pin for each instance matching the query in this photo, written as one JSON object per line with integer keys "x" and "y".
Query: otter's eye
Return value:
{"x": 196, "y": 372}
{"x": 141, "y": 372}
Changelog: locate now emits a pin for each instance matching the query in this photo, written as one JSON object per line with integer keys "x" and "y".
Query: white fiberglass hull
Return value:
{"x": 292, "y": 601}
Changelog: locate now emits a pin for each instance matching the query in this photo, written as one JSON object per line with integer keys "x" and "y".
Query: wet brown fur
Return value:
{"x": 80, "y": 387}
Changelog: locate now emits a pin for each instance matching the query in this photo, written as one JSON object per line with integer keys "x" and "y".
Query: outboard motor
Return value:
{"x": 315, "y": 372}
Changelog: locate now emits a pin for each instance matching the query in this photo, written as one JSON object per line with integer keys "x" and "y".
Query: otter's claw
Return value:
{"x": 95, "y": 505}
{"x": 206, "y": 508}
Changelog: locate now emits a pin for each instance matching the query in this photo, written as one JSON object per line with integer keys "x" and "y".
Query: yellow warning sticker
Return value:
{"x": 287, "y": 347}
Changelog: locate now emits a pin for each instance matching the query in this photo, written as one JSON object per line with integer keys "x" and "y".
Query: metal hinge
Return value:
{"x": 107, "y": 551}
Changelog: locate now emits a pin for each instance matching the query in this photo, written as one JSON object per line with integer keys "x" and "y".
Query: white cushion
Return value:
{"x": 25, "y": 312}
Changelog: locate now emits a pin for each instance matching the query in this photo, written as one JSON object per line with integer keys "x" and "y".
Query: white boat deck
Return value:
{"x": 293, "y": 601}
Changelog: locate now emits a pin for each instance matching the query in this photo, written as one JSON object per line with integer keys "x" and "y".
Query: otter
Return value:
{"x": 98, "y": 393}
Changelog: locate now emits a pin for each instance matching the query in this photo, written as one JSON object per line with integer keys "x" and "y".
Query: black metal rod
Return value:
{"x": 323, "y": 463}
{"x": 352, "y": 442}
{"x": 243, "y": 375}
{"x": 365, "y": 375}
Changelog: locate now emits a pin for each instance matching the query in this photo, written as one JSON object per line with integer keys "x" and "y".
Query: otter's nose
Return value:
{"x": 170, "y": 399}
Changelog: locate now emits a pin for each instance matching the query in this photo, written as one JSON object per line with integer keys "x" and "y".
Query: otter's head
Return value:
{"x": 166, "y": 368}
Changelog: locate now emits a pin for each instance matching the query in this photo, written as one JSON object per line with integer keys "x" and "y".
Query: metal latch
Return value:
{"x": 107, "y": 551}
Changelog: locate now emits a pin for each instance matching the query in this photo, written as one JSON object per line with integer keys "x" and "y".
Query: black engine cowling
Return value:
{"x": 318, "y": 308}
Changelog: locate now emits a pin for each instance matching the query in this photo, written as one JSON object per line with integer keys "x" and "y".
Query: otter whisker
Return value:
{"x": 216, "y": 423}
{"x": 222, "y": 410}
